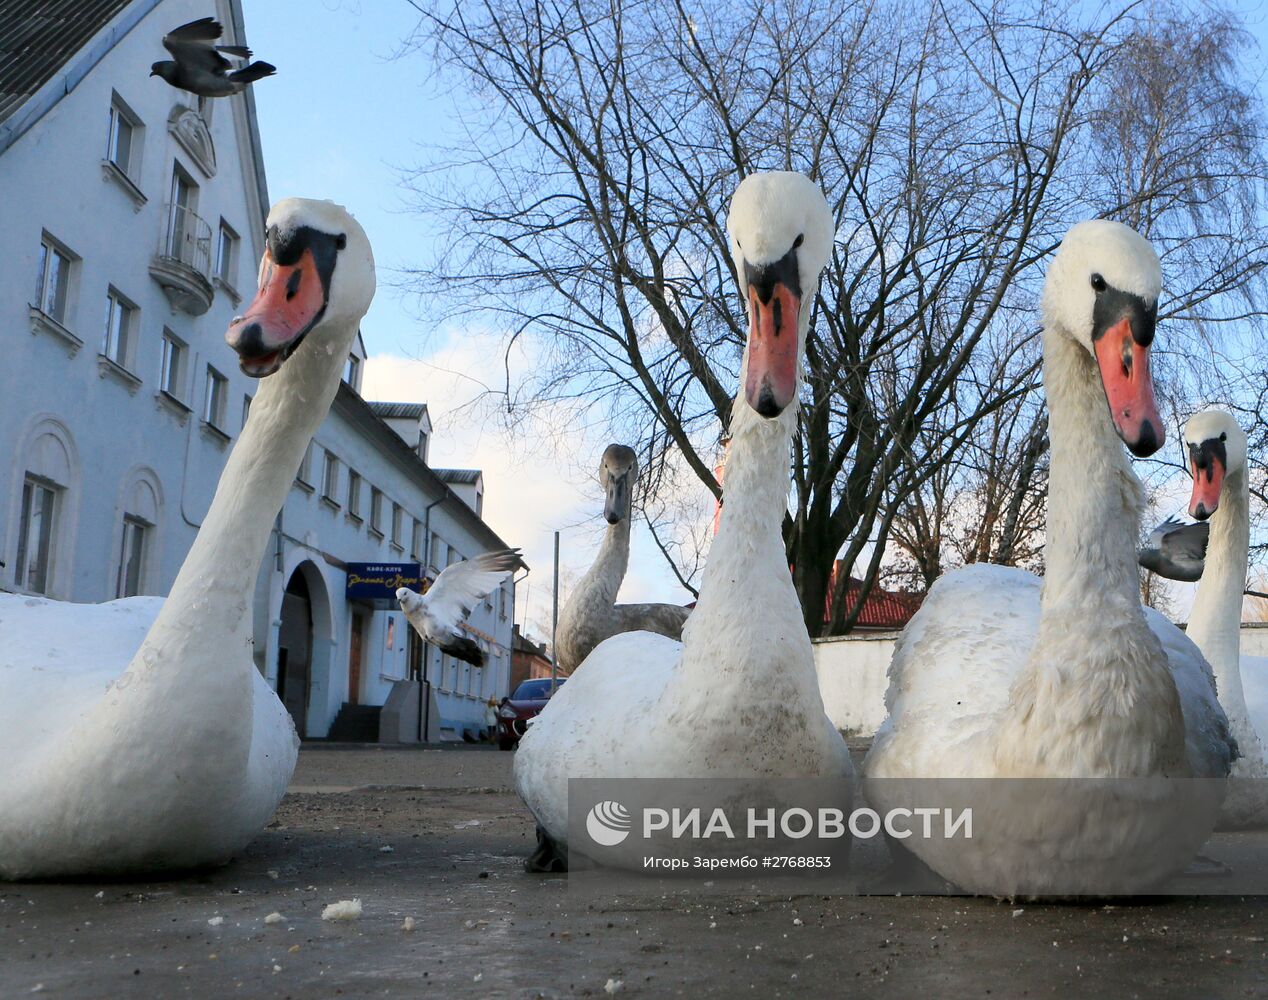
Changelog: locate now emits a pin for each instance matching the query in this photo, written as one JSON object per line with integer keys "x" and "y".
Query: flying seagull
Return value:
{"x": 1177, "y": 549}
{"x": 199, "y": 67}
{"x": 437, "y": 614}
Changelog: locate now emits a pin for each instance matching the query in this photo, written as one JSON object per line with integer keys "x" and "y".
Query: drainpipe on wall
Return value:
{"x": 424, "y": 685}
{"x": 510, "y": 661}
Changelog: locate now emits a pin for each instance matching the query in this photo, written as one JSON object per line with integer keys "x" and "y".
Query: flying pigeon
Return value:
{"x": 1177, "y": 549}
{"x": 437, "y": 614}
{"x": 198, "y": 65}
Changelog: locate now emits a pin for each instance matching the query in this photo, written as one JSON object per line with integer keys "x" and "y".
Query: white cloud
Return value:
{"x": 539, "y": 476}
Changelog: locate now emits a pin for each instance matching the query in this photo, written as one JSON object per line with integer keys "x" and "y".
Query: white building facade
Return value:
{"x": 133, "y": 224}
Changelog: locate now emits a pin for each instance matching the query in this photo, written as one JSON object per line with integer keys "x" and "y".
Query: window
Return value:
{"x": 35, "y": 535}
{"x": 330, "y": 478}
{"x": 227, "y": 254}
{"x": 454, "y": 556}
{"x": 246, "y": 410}
{"x": 172, "y": 369}
{"x": 123, "y": 143}
{"x": 354, "y": 494}
{"x": 422, "y": 445}
{"x": 217, "y": 390}
{"x": 416, "y": 541}
{"x": 376, "y": 510}
{"x": 398, "y": 519}
{"x": 437, "y": 552}
{"x": 184, "y": 241}
{"x": 131, "y": 557}
{"x": 502, "y": 602}
{"x": 352, "y": 371}
{"x": 116, "y": 342}
{"x": 305, "y": 474}
{"x": 53, "y": 288}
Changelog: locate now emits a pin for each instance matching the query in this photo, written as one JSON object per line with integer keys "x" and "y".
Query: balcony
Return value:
{"x": 182, "y": 265}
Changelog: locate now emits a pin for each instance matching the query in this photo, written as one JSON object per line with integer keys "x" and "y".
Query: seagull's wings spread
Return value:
{"x": 191, "y": 45}
{"x": 463, "y": 585}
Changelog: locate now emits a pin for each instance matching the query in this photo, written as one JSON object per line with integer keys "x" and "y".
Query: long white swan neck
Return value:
{"x": 1094, "y": 497}
{"x": 1215, "y": 621}
{"x": 747, "y": 593}
{"x": 214, "y": 585}
{"x": 603, "y": 579}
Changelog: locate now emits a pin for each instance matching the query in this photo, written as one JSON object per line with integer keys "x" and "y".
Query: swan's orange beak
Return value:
{"x": 289, "y": 303}
{"x": 1123, "y": 356}
{"x": 772, "y": 349}
{"x": 774, "y": 309}
{"x": 1208, "y": 462}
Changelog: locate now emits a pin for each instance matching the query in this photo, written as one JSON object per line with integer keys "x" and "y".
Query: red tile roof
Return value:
{"x": 883, "y": 609}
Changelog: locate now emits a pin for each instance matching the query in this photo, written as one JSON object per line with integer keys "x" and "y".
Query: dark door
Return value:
{"x": 354, "y": 661}
{"x": 294, "y": 656}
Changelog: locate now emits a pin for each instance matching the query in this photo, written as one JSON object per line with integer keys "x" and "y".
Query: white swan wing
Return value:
{"x": 57, "y": 660}
{"x": 595, "y": 724}
{"x": 952, "y": 670}
{"x": 462, "y": 586}
{"x": 1207, "y": 740}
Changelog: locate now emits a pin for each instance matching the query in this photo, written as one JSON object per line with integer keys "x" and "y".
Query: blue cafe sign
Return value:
{"x": 380, "y": 581}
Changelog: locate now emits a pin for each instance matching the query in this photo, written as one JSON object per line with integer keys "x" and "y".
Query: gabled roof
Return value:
{"x": 362, "y": 415}
{"x": 464, "y": 477}
{"x": 883, "y": 609}
{"x": 38, "y": 38}
{"x": 399, "y": 411}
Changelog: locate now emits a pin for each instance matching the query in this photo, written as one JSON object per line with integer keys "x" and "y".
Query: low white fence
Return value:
{"x": 852, "y": 674}
{"x": 852, "y": 679}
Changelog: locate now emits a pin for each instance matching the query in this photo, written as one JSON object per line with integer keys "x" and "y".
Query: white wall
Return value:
{"x": 852, "y": 679}
{"x": 120, "y": 430}
{"x": 1254, "y": 640}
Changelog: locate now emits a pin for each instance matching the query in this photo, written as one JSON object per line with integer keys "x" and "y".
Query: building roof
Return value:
{"x": 520, "y": 643}
{"x": 399, "y": 411}
{"x": 463, "y": 477}
{"x": 883, "y": 609}
{"x": 362, "y": 415}
{"x": 38, "y": 38}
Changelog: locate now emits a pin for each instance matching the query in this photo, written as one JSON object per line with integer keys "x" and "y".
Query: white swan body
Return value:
{"x": 591, "y": 613}
{"x": 738, "y": 697}
{"x": 137, "y": 735}
{"x": 1221, "y": 491}
{"x": 1000, "y": 676}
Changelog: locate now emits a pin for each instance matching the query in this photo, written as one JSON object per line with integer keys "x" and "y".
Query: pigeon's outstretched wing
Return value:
{"x": 438, "y": 614}
{"x": 191, "y": 46}
{"x": 1177, "y": 549}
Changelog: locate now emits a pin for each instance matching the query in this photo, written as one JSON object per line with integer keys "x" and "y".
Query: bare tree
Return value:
{"x": 584, "y": 203}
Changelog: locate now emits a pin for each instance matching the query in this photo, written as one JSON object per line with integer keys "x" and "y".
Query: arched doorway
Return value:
{"x": 295, "y": 650}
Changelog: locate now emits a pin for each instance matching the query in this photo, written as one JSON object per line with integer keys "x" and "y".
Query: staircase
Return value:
{"x": 356, "y": 724}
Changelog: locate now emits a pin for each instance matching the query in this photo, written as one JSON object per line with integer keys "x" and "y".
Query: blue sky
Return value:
{"x": 340, "y": 120}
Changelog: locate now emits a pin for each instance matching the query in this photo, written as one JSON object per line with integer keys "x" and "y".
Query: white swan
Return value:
{"x": 137, "y": 735}
{"x": 996, "y": 677}
{"x": 591, "y": 613}
{"x": 1221, "y": 492}
{"x": 738, "y": 697}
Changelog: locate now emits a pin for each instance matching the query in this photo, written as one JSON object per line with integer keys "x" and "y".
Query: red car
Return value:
{"x": 525, "y": 702}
